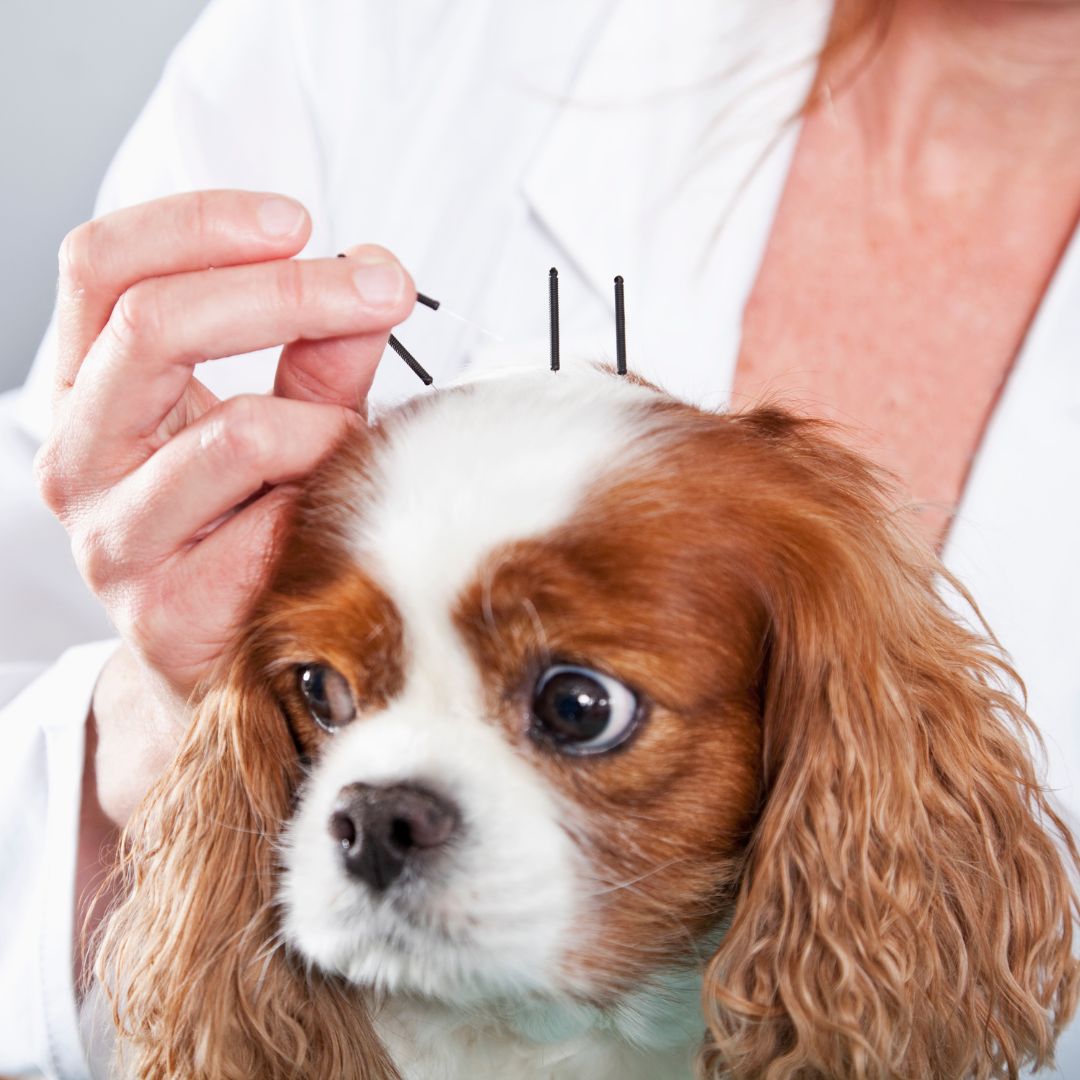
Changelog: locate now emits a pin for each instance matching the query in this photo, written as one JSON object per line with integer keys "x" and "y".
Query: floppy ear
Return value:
{"x": 192, "y": 958}
{"x": 906, "y": 908}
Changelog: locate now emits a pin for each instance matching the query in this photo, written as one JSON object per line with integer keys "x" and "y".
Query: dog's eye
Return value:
{"x": 328, "y": 696}
{"x": 583, "y": 711}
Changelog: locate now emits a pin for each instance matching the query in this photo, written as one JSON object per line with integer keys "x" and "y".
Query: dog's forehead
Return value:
{"x": 501, "y": 459}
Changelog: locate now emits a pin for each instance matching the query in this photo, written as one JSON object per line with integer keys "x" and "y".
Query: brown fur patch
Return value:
{"x": 351, "y": 625}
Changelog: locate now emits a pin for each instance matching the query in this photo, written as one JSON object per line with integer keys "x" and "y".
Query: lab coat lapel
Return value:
{"x": 665, "y": 164}
{"x": 1015, "y": 540}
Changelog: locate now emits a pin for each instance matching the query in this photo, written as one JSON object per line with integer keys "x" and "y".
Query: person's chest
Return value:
{"x": 901, "y": 323}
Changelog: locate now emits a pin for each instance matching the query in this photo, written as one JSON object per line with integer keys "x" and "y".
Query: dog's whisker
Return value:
{"x": 645, "y": 875}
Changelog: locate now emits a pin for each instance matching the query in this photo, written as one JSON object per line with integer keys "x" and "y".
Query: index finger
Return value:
{"x": 103, "y": 258}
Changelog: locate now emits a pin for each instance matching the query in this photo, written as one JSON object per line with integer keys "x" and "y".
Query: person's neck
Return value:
{"x": 991, "y": 84}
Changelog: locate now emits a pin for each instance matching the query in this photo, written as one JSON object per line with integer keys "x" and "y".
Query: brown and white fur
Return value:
{"x": 816, "y": 845}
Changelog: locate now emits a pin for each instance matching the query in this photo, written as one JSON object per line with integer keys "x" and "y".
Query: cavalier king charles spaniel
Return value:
{"x": 581, "y": 733}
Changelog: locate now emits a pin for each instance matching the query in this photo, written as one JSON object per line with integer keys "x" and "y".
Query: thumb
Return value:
{"x": 340, "y": 370}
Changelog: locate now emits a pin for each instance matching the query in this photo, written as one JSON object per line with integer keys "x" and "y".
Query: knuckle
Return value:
{"x": 201, "y": 215}
{"x": 136, "y": 320}
{"x": 65, "y": 484}
{"x": 95, "y": 556}
{"x": 290, "y": 284}
{"x": 49, "y": 475}
{"x": 239, "y": 429}
{"x": 60, "y": 483}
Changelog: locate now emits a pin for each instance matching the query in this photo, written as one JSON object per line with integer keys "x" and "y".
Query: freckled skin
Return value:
{"x": 916, "y": 235}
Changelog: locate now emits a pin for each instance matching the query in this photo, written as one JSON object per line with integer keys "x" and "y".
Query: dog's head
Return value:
{"x": 561, "y": 687}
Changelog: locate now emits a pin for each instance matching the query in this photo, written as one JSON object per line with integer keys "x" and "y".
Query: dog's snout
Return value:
{"x": 381, "y": 829}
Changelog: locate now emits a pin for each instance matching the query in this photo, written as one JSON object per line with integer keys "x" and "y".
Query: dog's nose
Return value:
{"x": 380, "y": 829}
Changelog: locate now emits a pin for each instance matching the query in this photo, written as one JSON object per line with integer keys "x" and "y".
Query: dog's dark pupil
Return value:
{"x": 313, "y": 684}
{"x": 313, "y": 687}
{"x": 327, "y": 695}
{"x": 573, "y": 707}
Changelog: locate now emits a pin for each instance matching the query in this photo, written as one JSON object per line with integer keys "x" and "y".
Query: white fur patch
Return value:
{"x": 501, "y": 458}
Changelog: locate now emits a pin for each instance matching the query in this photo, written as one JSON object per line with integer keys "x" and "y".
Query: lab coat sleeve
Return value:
{"x": 42, "y": 727}
{"x": 231, "y": 110}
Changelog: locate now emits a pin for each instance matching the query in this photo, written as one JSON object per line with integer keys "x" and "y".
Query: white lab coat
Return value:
{"x": 484, "y": 142}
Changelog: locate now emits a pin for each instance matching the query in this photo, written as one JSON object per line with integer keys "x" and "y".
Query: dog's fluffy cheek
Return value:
{"x": 499, "y": 916}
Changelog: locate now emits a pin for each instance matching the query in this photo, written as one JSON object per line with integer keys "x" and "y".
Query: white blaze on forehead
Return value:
{"x": 502, "y": 458}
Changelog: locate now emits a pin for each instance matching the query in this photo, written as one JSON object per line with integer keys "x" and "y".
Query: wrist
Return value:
{"x": 137, "y": 721}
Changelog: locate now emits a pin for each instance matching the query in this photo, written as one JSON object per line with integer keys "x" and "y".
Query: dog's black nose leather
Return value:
{"x": 382, "y": 829}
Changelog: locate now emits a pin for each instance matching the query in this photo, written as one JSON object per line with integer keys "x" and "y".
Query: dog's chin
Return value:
{"x": 400, "y": 944}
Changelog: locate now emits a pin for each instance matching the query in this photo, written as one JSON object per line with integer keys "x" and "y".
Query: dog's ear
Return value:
{"x": 192, "y": 958}
{"x": 907, "y": 908}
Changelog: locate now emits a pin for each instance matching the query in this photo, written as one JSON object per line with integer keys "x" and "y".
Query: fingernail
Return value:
{"x": 280, "y": 217}
{"x": 379, "y": 283}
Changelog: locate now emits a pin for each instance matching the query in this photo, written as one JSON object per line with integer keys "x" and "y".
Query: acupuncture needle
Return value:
{"x": 438, "y": 305}
{"x": 429, "y": 302}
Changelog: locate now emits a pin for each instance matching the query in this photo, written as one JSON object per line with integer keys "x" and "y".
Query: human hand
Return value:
{"x": 148, "y": 471}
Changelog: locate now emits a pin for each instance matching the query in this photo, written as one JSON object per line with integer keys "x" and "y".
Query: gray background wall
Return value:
{"x": 73, "y": 76}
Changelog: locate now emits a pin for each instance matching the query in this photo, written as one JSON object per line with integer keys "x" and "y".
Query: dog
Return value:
{"x": 584, "y": 733}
